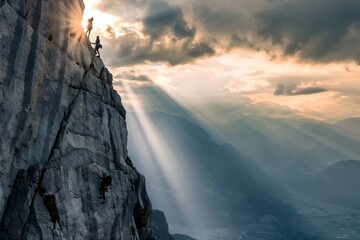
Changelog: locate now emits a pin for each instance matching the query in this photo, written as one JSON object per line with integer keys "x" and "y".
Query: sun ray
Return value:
{"x": 164, "y": 157}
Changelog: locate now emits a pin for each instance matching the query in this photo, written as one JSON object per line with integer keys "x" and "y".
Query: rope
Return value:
{"x": 91, "y": 38}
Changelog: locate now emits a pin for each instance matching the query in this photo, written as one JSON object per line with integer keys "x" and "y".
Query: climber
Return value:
{"x": 97, "y": 46}
{"x": 89, "y": 26}
{"x": 50, "y": 204}
{"x": 105, "y": 183}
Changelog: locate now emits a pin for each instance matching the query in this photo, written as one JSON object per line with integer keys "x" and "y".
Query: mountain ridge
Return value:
{"x": 231, "y": 189}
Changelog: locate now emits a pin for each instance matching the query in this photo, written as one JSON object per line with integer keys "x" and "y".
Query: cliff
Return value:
{"x": 61, "y": 122}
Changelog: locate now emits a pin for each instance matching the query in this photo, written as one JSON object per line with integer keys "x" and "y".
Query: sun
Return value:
{"x": 101, "y": 20}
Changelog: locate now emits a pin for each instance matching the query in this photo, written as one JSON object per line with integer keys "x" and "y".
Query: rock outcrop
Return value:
{"x": 160, "y": 227}
{"x": 61, "y": 122}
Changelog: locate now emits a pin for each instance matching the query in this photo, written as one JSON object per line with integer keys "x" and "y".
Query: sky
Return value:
{"x": 217, "y": 62}
{"x": 277, "y": 58}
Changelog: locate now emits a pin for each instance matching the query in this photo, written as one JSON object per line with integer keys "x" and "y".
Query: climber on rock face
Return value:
{"x": 97, "y": 46}
{"x": 89, "y": 26}
{"x": 50, "y": 204}
{"x": 104, "y": 186}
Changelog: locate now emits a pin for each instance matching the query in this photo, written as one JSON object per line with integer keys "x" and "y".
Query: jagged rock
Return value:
{"x": 61, "y": 122}
{"x": 160, "y": 226}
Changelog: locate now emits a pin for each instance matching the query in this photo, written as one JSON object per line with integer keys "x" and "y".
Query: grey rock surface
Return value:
{"x": 160, "y": 226}
{"x": 61, "y": 122}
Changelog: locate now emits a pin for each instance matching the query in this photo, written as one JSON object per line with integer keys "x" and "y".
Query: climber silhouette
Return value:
{"x": 50, "y": 204}
{"x": 97, "y": 46}
{"x": 89, "y": 26}
{"x": 104, "y": 185}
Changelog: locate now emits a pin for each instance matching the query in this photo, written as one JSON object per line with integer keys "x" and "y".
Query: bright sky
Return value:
{"x": 221, "y": 60}
{"x": 200, "y": 66}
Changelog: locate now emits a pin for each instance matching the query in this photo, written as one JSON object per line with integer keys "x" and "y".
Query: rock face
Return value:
{"x": 160, "y": 226}
{"x": 61, "y": 122}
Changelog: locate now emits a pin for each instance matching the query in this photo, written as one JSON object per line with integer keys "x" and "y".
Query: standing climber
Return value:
{"x": 97, "y": 46}
{"x": 89, "y": 26}
{"x": 104, "y": 185}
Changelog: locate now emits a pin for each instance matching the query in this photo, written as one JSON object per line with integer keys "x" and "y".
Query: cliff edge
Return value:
{"x": 61, "y": 122}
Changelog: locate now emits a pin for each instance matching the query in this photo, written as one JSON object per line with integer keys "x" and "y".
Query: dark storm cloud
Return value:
{"x": 241, "y": 41}
{"x": 294, "y": 90}
{"x": 222, "y": 19}
{"x": 317, "y": 31}
{"x": 161, "y": 18}
{"x": 198, "y": 50}
{"x": 132, "y": 49}
{"x": 167, "y": 37}
{"x": 321, "y": 30}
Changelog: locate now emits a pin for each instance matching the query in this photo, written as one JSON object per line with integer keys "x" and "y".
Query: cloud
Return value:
{"x": 293, "y": 90}
{"x": 312, "y": 31}
{"x": 200, "y": 49}
{"x": 309, "y": 90}
{"x": 223, "y": 18}
{"x": 133, "y": 76}
{"x": 161, "y": 18}
{"x": 126, "y": 9}
{"x": 132, "y": 49}
{"x": 322, "y": 30}
{"x": 165, "y": 36}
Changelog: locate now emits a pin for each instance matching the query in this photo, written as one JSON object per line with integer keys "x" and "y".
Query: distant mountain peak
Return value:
{"x": 345, "y": 164}
{"x": 349, "y": 121}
